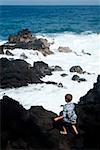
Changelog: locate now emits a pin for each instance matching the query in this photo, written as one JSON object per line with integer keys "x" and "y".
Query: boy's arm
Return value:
{"x": 58, "y": 118}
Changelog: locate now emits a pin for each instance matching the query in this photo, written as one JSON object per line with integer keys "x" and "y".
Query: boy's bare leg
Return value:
{"x": 74, "y": 127}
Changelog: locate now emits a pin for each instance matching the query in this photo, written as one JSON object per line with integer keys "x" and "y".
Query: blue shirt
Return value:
{"x": 69, "y": 113}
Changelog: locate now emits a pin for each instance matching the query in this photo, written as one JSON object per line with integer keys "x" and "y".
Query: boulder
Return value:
{"x": 23, "y": 56}
{"x": 77, "y": 69}
{"x": 56, "y": 68}
{"x": 1, "y": 49}
{"x": 64, "y": 49}
{"x": 9, "y": 53}
{"x": 77, "y": 78}
{"x": 64, "y": 74}
{"x": 42, "y": 69}
{"x": 42, "y": 45}
{"x": 22, "y": 36}
{"x": 16, "y": 73}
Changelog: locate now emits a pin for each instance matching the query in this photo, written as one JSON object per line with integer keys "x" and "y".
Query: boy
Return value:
{"x": 69, "y": 115}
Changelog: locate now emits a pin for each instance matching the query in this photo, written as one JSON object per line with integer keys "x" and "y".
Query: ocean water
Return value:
{"x": 49, "y": 19}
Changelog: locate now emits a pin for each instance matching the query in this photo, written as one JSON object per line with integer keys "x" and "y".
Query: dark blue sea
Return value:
{"x": 49, "y": 19}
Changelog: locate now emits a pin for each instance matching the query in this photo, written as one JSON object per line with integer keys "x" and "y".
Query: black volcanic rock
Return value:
{"x": 1, "y": 49}
{"x": 24, "y": 40}
{"x": 77, "y": 69}
{"x": 42, "y": 68}
{"x": 16, "y": 73}
{"x": 31, "y": 130}
{"x": 89, "y": 117}
{"x": 34, "y": 129}
{"x": 11, "y": 119}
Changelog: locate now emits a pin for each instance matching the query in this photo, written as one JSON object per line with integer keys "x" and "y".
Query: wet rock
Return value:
{"x": 9, "y": 53}
{"x": 77, "y": 78}
{"x": 1, "y": 49}
{"x": 56, "y": 68}
{"x": 16, "y": 73}
{"x": 82, "y": 80}
{"x": 64, "y": 49}
{"x": 23, "y": 56}
{"x": 24, "y": 40}
{"x": 42, "y": 68}
{"x": 64, "y": 75}
{"x": 60, "y": 84}
{"x": 85, "y": 52}
{"x": 77, "y": 69}
{"x": 22, "y": 36}
{"x": 42, "y": 45}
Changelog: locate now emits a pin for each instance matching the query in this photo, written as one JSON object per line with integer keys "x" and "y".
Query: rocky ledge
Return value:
{"x": 34, "y": 129}
{"x": 24, "y": 40}
{"x": 18, "y": 73}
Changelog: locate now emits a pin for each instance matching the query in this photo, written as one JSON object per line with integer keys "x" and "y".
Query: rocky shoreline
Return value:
{"x": 34, "y": 129}
{"x": 24, "y": 40}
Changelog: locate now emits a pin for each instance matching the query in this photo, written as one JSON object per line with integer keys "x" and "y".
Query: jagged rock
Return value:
{"x": 89, "y": 117}
{"x": 64, "y": 49}
{"x": 77, "y": 69}
{"x": 34, "y": 129}
{"x": 31, "y": 130}
{"x": 43, "y": 46}
{"x": 16, "y": 73}
{"x": 9, "y": 53}
{"x": 42, "y": 68}
{"x": 1, "y": 49}
{"x": 60, "y": 84}
{"x": 22, "y": 36}
{"x": 24, "y": 39}
{"x": 23, "y": 56}
{"x": 56, "y": 68}
{"x": 85, "y": 52}
{"x": 64, "y": 75}
{"x": 82, "y": 80}
{"x": 77, "y": 78}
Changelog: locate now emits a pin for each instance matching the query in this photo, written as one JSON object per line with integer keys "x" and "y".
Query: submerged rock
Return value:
{"x": 64, "y": 49}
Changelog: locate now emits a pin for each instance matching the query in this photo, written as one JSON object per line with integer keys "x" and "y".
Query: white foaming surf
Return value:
{"x": 51, "y": 96}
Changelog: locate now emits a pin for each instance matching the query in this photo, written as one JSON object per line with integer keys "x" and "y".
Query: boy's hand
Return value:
{"x": 55, "y": 119}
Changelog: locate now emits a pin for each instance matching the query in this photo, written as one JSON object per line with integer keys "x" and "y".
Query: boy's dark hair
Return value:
{"x": 68, "y": 97}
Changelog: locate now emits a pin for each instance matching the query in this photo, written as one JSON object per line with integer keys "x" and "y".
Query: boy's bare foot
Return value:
{"x": 62, "y": 132}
